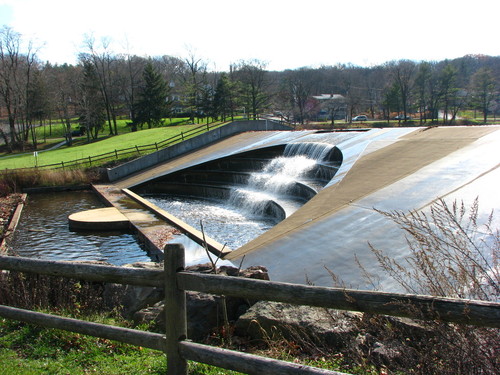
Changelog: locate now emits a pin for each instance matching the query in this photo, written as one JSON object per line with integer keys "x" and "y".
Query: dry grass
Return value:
{"x": 15, "y": 181}
{"x": 451, "y": 254}
{"x": 38, "y": 292}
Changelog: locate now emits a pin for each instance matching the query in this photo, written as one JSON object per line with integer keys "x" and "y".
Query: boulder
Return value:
{"x": 304, "y": 324}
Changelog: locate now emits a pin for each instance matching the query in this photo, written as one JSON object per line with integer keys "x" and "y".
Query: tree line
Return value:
{"x": 90, "y": 96}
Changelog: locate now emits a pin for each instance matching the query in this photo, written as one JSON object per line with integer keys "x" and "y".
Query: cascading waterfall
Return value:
{"x": 278, "y": 176}
{"x": 256, "y": 201}
{"x": 313, "y": 150}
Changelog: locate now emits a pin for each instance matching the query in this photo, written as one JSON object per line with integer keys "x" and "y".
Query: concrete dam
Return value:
{"x": 317, "y": 192}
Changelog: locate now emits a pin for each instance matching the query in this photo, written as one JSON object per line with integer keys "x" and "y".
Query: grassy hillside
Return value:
{"x": 81, "y": 149}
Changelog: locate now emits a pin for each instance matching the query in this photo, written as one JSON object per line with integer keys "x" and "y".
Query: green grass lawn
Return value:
{"x": 30, "y": 350}
{"x": 27, "y": 349}
{"x": 82, "y": 150}
{"x": 57, "y": 130}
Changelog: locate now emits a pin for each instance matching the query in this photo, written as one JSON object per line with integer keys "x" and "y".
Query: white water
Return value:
{"x": 241, "y": 218}
{"x": 312, "y": 150}
{"x": 223, "y": 223}
{"x": 278, "y": 176}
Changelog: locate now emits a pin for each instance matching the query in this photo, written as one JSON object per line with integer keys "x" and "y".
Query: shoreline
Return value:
{"x": 11, "y": 207}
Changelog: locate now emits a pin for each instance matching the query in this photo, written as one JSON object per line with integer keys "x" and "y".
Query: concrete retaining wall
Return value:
{"x": 192, "y": 144}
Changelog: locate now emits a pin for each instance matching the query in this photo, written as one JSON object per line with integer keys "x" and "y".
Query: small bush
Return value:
{"x": 451, "y": 254}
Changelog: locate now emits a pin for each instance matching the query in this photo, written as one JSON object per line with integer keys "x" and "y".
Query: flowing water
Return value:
{"x": 226, "y": 224}
{"x": 277, "y": 177}
{"x": 242, "y": 217}
{"x": 43, "y": 232}
{"x": 43, "y": 229}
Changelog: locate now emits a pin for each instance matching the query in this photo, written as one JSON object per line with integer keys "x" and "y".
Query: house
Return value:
{"x": 327, "y": 106}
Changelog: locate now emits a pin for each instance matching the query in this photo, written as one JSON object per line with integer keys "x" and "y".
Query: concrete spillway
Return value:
{"x": 276, "y": 180}
{"x": 401, "y": 168}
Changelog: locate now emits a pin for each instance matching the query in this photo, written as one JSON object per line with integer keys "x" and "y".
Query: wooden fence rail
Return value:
{"x": 176, "y": 282}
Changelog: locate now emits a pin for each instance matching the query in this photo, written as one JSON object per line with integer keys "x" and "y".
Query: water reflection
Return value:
{"x": 43, "y": 232}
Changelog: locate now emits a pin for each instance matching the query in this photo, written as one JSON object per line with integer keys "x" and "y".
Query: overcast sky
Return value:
{"x": 286, "y": 34}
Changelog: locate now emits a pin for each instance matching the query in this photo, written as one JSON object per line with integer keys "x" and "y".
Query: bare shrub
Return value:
{"x": 451, "y": 254}
{"x": 34, "y": 292}
{"x": 15, "y": 181}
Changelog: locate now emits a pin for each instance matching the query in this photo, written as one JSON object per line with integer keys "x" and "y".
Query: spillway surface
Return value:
{"x": 386, "y": 169}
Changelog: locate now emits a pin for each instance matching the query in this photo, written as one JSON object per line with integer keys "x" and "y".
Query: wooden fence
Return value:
{"x": 176, "y": 282}
{"x": 135, "y": 151}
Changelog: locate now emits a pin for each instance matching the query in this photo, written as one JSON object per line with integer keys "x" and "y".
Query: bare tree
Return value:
{"x": 403, "y": 73}
{"x": 254, "y": 85}
{"x": 194, "y": 78}
{"x": 352, "y": 91}
{"x": 448, "y": 91}
{"x": 16, "y": 71}
{"x": 103, "y": 62}
{"x": 129, "y": 77}
{"x": 298, "y": 90}
{"x": 64, "y": 92}
{"x": 422, "y": 81}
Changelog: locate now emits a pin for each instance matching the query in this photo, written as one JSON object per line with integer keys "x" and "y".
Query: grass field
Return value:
{"x": 28, "y": 350}
{"x": 81, "y": 149}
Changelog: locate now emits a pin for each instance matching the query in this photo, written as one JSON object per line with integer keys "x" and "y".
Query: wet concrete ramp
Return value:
{"x": 387, "y": 169}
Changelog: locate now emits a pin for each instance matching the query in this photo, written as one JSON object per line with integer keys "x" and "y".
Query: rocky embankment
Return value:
{"x": 8, "y": 206}
{"x": 315, "y": 331}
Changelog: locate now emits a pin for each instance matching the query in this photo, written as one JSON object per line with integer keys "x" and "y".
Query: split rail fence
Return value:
{"x": 176, "y": 281}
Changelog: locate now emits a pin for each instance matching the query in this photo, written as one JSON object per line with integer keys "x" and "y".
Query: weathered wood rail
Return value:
{"x": 176, "y": 282}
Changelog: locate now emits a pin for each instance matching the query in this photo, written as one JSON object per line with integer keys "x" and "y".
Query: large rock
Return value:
{"x": 304, "y": 324}
{"x": 356, "y": 335}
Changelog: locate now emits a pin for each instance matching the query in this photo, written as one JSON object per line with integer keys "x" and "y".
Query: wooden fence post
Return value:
{"x": 175, "y": 309}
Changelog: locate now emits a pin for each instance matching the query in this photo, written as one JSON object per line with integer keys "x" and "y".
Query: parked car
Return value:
{"x": 360, "y": 118}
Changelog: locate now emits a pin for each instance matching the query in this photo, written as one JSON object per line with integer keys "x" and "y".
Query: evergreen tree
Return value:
{"x": 391, "y": 100}
{"x": 153, "y": 104}
{"x": 224, "y": 100}
{"x": 484, "y": 91}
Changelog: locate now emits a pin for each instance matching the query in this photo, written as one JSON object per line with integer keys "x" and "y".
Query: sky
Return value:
{"x": 285, "y": 34}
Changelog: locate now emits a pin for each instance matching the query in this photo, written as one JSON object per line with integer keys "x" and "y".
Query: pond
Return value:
{"x": 43, "y": 232}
